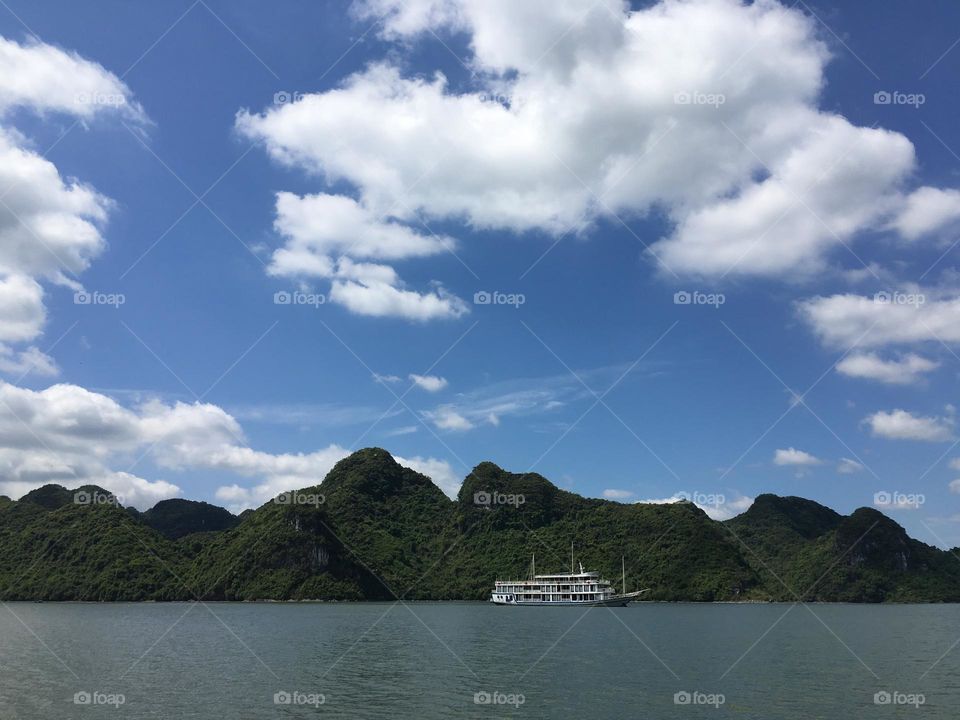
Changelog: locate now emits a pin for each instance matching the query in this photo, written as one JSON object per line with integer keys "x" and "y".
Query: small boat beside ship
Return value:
{"x": 583, "y": 588}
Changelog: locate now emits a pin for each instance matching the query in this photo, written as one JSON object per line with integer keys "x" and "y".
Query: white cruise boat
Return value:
{"x": 573, "y": 588}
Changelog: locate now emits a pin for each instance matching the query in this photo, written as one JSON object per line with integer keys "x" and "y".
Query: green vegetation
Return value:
{"x": 375, "y": 530}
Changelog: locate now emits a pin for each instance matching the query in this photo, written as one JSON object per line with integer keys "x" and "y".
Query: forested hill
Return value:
{"x": 374, "y": 530}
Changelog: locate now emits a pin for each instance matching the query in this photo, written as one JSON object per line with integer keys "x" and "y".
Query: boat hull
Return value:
{"x": 616, "y": 601}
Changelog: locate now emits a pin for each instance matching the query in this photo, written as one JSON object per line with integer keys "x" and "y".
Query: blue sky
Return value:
{"x": 407, "y": 198}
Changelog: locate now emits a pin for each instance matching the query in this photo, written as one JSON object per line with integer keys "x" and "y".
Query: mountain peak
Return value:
{"x": 53, "y": 496}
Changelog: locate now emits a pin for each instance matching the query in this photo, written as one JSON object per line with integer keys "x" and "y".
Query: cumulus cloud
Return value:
{"x": 440, "y": 471}
{"x": 430, "y": 383}
{"x": 705, "y": 109}
{"x": 903, "y": 425}
{"x": 888, "y": 318}
{"x": 446, "y": 417}
{"x": 50, "y": 227}
{"x": 333, "y": 225}
{"x": 955, "y": 486}
{"x": 613, "y": 494}
{"x": 27, "y": 362}
{"x": 927, "y": 210}
{"x": 378, "y": 298}
{"x": 792, "y": 456}
{"x": 68, "y": 435}
{"x": 905, "y": 370}
{"x": 325, "y": 235}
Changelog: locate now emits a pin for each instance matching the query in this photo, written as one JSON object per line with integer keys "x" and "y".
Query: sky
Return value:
{"x": 695, "y": 249}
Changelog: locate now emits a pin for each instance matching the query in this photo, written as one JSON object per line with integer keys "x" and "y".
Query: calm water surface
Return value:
{"x": 425, "y": 660}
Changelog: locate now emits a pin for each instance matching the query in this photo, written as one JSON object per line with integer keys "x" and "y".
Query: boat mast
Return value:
{"x": 571, "y": 557}
{"x": 623, "y": 569}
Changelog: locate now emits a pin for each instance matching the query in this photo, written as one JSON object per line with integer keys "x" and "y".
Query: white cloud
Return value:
{"x": 573, "y": 125}
{"x": 904, "y": 370}
{"x": 27, "y": 362}
{"x": 440, "y": 471}
{"x": 50, "y": 227}
{"x": 383, "y": 299}
{"x": 729, "y": 509}
{"x": 386, "y": 379}
{"x": 404, "y": 430}
{"x": 846, "y": 466}
{"x": 430, "y": 383}
{"x": 70, "y": 435}
{"x": 721, "y": 510}
{"x": 927, "y": 210}
{"x": 47, "y": 79}
{"x": 911, "y": 316}
{"x": 902, "y": 425}
{"x": 955, "y": 486}
{"x": 325, "y": 235}
{"x": 446, "y": 417}
{"x": 522, "y": 397}
{"x": 335, "y": 225}
{"x": 792, "y": 456}
{"x": 22, "y": 314}
{"x": 613, "y": 494}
